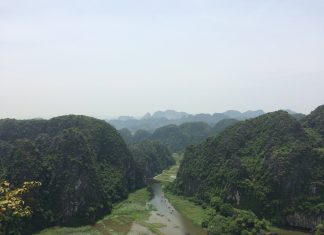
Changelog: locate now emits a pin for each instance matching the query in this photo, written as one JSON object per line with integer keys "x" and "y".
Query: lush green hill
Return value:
{"x": 195, "y": 131}
{"x": 83, "y": 164}
{"x": 170, "y": 136}
{"x": 270, "y": 165}
{"x": 151, "y": 159}
{"x": 177, "y": 138}
{"x": 221, "y": 126}
{"x": 316, "y": 120}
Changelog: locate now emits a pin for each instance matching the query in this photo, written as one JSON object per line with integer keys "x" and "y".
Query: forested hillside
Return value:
{"x": 177, "y": 138}
{"x": 82, "y": 164}
{"x": 272, "y": 165}
{"x": 315, "y": 120}
{"x": 151, "y": 159}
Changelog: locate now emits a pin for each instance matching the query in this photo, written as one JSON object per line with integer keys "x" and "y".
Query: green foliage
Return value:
{"x": 271, "y": 165}
{"x": 13, "y": 208}
{"x": 83, "y": 164}
{"x": 225, "y": 219}
{"x": 171, "y": 136}
{"x": 126, "y": 134}
{"x": 150, "y": 158}
{"x": 319, "y": 229}
{"x": 221, "y": 126}
{"x": 177, "y": 138}
{"x": 315, "y": 120}
{"x": 119, "y": 221}
{"x": 141, "y": 135}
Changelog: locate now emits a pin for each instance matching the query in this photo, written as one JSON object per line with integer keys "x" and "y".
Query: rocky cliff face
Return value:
{"x": 269, "y": 165}
{"x": 301, "y": 220}
{"x": 83, "y": 164}
{"x": 150, "y": 159}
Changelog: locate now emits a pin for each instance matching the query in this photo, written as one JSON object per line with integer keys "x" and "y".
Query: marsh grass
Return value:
{"x": 119, "y": 222}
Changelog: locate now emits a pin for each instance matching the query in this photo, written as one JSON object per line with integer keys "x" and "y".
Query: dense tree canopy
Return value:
{"x": 177, "y": 138}
{"x": 315, "y": 120}
{"x": 269, "y": 164}
{"x": 13, "y": 208}
{"x": 83, "y": 164}
{"x": 151, "y": 158}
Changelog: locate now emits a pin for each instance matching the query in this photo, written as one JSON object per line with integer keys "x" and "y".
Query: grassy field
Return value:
{"x": 134, "y": 209}
{"x": 286, "y": 232}
{"x": 187, "y": 208}
{"x": 170, "y": 174}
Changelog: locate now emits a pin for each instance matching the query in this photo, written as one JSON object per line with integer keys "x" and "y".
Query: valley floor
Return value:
{"x": 127, "y": 217}
{"x": 133, "y": 216}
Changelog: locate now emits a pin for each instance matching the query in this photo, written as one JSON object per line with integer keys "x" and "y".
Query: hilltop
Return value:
{"x": 272, "y": 165}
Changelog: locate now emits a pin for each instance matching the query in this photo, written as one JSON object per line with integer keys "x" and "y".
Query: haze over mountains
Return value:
{"x": 162, "y": 118}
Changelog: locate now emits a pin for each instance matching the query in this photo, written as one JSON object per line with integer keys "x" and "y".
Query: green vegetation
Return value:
{"x": 72, "y": 156}
{"x": 224, "y": 219}
{"x": 270, "y": 165}
{"x": 315, "y": 120}
{"x": 177, "y": 138}
{"x": 83, "y": 164}
{"x": 286, "y": 231}
{"x": 134, "y": 209}
{"x": 151, "y": 158}
{"x": 169, "y": 117}
{"x": 13, "y": 207}
{"x": 169, "y": 175}
{"x": 319, "y": 229}
{"x": 187, "y": 208}
{"x": 219, "y": 217}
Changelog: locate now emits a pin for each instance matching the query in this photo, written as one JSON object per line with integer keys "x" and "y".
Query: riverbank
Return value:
{"x": 127, "y": 217}
{"x": 187, "y": 208}
{"x": 194, "y": 212}
{"x": 138, "y": 215}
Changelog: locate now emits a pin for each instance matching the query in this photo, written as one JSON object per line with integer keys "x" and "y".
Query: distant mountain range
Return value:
{"x": 162, "y": 118}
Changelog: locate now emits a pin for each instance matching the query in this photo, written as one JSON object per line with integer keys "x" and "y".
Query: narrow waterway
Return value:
{"x": 165, "y": 214}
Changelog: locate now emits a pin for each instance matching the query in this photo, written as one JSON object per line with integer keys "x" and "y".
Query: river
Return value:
{"x": 166, "y": 214}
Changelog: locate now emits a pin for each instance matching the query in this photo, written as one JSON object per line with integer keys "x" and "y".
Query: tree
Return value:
{"x": 12, "y": 206}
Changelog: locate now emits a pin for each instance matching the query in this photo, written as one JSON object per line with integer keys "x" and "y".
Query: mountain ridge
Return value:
{"x": 163, "y": 118}
{"x": 267, "y": 164}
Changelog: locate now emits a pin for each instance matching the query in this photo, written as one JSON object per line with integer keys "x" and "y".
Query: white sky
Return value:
{"x": 108, "y": 58}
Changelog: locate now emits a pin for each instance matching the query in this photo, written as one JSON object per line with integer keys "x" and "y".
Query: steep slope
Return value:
{"x": 83, "y": 164}
{"x": 221, "y": 126}
{"x": 315, "y": 120}
{"x": 170, "y": 136}
{"x": 177, "y": 138}
{"x": 195, "y": 131}
{"x": 150, "y": 158}
{"x": 268, "y": 164}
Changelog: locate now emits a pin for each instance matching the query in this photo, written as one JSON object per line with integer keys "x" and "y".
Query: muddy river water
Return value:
{"x": 166, "y": 214}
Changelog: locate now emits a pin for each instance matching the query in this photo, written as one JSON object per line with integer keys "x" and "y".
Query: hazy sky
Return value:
{"x": 108, "y": 58}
